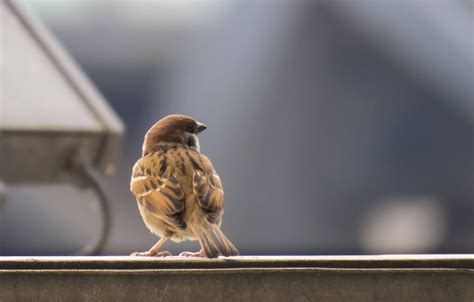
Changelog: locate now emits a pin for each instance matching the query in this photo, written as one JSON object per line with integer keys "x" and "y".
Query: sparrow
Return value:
{"x": 178, "y": 192}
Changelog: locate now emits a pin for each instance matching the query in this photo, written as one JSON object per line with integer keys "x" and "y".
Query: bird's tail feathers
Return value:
{"x": 214, "y": 242}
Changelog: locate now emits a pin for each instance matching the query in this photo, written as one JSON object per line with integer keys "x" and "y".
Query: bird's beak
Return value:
{"x": 201, "y": 127}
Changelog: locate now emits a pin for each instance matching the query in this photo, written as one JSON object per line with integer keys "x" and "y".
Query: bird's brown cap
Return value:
{"x": 174, "y": 128}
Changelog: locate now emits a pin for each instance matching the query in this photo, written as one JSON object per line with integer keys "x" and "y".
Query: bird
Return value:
{"x": 179, "y": 193}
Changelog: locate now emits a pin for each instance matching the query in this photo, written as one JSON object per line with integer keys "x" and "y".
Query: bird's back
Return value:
{"x": 168, "y": 184}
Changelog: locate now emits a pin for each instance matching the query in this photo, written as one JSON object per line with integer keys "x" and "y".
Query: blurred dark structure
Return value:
{"x": 56, "y": 117}
{"x": 54, "y": 126}
{"x": 337, "y": 127}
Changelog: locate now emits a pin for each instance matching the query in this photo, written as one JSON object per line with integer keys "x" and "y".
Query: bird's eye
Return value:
{"x": 190, "y": 128}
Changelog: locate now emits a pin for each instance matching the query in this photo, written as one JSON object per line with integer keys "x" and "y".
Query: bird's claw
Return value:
{"x": 191, "y": 254}
{"x": 151, "y": 254}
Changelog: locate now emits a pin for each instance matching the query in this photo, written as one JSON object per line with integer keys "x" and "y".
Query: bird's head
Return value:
{"x": 175, "y": 128}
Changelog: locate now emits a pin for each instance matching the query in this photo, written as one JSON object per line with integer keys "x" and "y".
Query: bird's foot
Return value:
{"x": 191, "y": 254}
{"x": 151, "y": 253}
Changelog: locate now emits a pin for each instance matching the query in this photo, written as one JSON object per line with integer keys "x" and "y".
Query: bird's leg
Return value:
{"x": 153, "y": 251}
{"x": 191, "y": 254}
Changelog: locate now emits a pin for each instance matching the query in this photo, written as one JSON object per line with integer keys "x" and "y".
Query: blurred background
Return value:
{"x": 337, "y": 127}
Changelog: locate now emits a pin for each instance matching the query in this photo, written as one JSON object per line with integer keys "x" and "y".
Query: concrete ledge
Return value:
{"x": 312, "y": 278}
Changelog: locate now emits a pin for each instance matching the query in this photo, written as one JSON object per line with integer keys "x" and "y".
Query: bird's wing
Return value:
{"x": 156, "y": 187}
{"x": 207, "y": 186}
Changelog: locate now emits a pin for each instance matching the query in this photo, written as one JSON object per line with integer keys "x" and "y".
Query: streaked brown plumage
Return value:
{"x": 179, "y": 194}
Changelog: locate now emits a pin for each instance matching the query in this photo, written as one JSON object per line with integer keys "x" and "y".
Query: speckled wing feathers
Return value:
{"x": 154, "y": 184}
{"x": 209, "y": 191}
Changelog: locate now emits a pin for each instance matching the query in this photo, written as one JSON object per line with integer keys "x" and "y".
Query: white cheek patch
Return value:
{"x": 196, "y": 141}
{"x": 192, "y": 140}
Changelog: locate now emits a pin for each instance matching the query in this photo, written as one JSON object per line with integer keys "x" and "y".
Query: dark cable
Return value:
{"x": 96, "y": 247}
